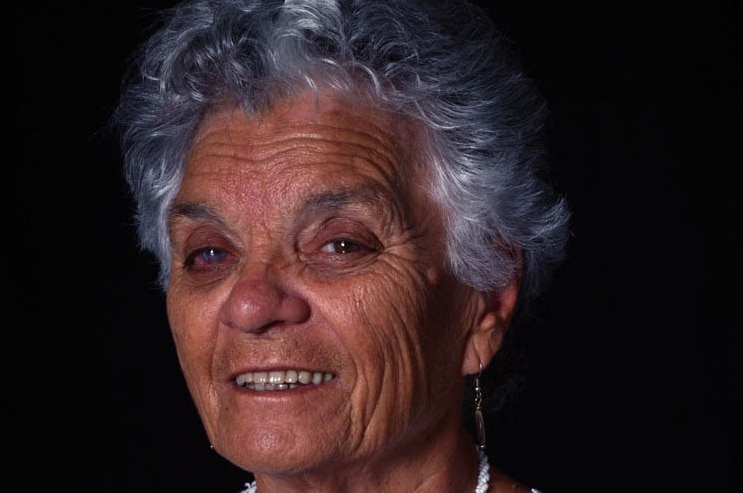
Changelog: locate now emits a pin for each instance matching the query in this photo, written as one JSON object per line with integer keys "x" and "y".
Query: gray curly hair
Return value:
{"x": 443, "y": 64}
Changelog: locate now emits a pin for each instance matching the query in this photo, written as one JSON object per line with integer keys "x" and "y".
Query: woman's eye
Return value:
{"x": 341, "y": 246}
{"x": 207, "y": 257}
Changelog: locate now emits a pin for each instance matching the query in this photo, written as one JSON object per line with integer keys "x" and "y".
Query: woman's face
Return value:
{"x": 305, "y": 247}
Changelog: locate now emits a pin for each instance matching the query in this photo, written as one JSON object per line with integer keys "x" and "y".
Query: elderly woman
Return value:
{"x": 346, "y": 204}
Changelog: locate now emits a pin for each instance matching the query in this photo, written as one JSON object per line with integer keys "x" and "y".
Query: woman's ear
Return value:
{"x": 494, "y": 312}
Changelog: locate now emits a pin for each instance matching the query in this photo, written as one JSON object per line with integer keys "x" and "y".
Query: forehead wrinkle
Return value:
{"x": 250, "y": 155}
{"x": 237, "y": 145}
{"x": 374, "y": 133}
{"x": 296, "y": 126}
{"x": 299, "y": 150}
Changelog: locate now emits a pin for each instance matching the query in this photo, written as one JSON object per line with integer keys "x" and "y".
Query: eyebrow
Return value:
{"x": 376, "y": 197}
{"x": 336, "y": 199}
{"x": 196, "y": 212}
{"x": 193, "y": 210}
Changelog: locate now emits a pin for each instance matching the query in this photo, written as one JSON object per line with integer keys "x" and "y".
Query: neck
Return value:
{"x": 446, "y": 464}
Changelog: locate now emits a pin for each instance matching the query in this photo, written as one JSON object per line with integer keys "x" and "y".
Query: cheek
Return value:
{"x": 385, "y": 339}
{"x": 192, "y": 324}
{"x": 399, "y": 334}
{"x": 390, "y": 312}
{"x": 416, "y": 331}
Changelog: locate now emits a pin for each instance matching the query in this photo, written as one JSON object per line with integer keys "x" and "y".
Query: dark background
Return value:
{"x": 632, "y": 370}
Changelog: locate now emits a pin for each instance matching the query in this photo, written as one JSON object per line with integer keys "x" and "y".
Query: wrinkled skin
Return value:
{"x": 304, "y": 239}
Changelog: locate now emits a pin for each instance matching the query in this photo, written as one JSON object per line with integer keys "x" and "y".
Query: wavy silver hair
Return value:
{"x": 443, "y": 64}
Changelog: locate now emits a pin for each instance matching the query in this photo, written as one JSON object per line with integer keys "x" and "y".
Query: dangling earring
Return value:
{"x": 479, "y": 419}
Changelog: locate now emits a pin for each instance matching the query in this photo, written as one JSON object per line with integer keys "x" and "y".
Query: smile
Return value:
{"x": 281, "y": 379}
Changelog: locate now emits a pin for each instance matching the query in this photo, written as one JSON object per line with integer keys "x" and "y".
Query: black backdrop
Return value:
{"x": 633, "y": 369}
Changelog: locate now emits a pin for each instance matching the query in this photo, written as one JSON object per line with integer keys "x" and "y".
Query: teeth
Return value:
{"x": 280, "y": 379}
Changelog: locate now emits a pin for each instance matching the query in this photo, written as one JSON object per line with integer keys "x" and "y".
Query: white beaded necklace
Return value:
{"x": 483, "y": 477}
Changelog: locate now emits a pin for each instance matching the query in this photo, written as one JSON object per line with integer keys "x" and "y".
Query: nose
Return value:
{"x": 259, "y": 301}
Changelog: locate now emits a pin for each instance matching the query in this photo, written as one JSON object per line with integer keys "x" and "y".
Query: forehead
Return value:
{"x": 310, "y": 123}
{"x": 306, "y": 143}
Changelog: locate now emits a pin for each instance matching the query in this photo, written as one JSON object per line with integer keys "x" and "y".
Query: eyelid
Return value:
{"x": 352, "y": 230}
{"x": 193, "y": 223}
{"x": 318, "y": 244}
{"x": 192, "y": 237}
